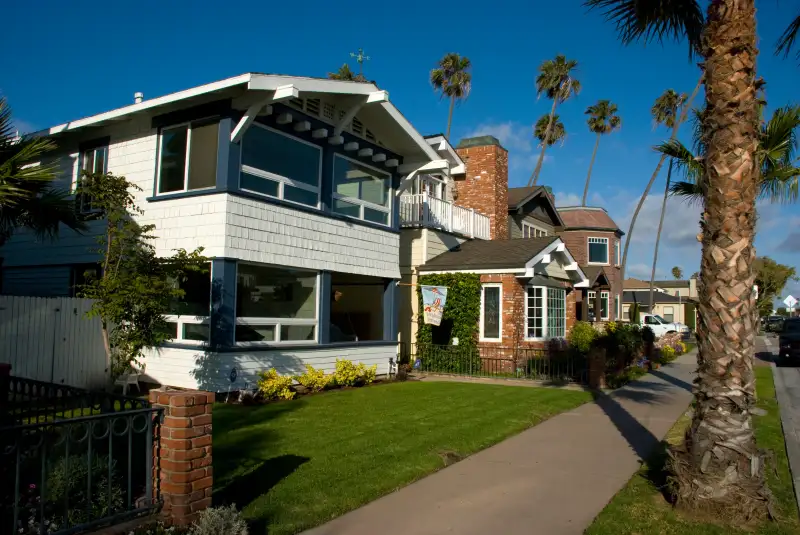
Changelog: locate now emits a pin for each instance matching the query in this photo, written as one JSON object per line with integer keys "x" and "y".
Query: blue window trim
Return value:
{"x": 282, "y": 347}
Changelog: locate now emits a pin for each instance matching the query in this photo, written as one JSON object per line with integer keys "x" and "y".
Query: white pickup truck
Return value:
{"x": 660, "y": 326}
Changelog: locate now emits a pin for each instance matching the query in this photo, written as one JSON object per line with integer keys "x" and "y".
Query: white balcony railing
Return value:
{"x": 422, "y": 210}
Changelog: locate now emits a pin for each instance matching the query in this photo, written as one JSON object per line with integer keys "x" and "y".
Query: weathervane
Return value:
{"x": 360, "y": 58}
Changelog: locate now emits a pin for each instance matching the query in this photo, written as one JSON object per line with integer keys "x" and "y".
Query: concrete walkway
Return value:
{"x": 552, "y": 479}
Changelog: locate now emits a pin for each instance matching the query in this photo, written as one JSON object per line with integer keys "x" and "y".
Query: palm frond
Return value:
{"x": 686, "y": 162}
{"x": 451, "y": 76}
{"x": 691, "y": 192}
{"x": 778, "y": 142}
{"x": 557, "y": 130}
{"x": 788, "y": 37}
{"x": 780, "y": 186}
{"x": 654, "y": 20}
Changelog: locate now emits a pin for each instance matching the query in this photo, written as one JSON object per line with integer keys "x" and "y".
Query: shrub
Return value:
{"x": 582, "y": 335}
{"x": 273, "y": 386}
{"x": 348, "y": 374}
{"x": 618, "y": 379}
{"x": 68, "y": 479}
{"x": 667, "y": 354}
{"x": 680, "y": 348}
{"x": 216, "y": 520}
{"x": 648, "y": 335}
{"x": 367, "y": 375}
{"x": 314, "y": 380}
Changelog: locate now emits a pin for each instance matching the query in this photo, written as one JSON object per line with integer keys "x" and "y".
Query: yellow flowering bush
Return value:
{"x": 680, "y": 348}
{"x": 314, "y": 380}
{"x": 611, "y": 326}
{"x": 667, "y": 354}
{"x": 348, "y": 374}
{"x": 367, "y": 374}
{"x": 274, "y": 386}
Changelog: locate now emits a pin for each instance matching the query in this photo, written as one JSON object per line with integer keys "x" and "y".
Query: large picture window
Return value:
{"x": 280, "y": 166}
{"x": 491, "y": 325}
{"x": 361, "y": 191}
{"x": 598, "y": 250}
{"x": 275, "y": 304}
{"x": 545, "y": 313}
{"x": 188, "y": 157}
{"x": 187, "y": 318}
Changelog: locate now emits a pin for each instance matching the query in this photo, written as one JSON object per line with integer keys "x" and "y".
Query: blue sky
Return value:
{"x": 68, "y": 60}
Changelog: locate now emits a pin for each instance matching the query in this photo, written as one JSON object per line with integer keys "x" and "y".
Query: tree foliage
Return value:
{"x": 462, "y": 309}
{"x": 771, "y": 278}
{"x": 346, "y": 74}
{"x": 677, "y": 272}
{"x": 557, "y": 131}
{"x": 452, "y": 79}
{"x": 135, "y": 288}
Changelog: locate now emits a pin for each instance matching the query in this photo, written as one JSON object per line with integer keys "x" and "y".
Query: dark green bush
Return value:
{"x": 461, "y": 312}
{"x": 618, "y": 379}
{"x": 69, "y": 477}
{"x": 449, "y": 359}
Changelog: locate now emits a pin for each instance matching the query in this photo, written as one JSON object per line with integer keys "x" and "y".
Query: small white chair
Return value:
{"x": 130, "y": 379}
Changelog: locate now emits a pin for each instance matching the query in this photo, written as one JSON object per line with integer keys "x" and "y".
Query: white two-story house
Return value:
{"x": 291, "y": 186}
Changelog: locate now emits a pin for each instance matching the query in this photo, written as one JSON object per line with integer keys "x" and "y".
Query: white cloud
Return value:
{"x": 573, "y": 199}
{"x": 518, "y": 139}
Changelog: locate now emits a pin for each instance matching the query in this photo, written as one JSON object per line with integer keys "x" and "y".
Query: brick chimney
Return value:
{"x": 485, "y": 184}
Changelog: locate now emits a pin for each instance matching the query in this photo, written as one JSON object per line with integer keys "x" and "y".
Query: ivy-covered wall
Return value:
{"x": 462, "y": 309}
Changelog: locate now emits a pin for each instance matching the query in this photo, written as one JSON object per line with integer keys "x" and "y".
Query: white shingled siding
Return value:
{"x": 441, "y": 242}
{"x": 272, "y": 234}
{"x": 194, "y": 368}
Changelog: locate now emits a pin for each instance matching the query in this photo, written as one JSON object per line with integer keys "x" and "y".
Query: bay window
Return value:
{"x": 361, "y": 191}
{"x": 275, "y": 304}
{"x": 188, "y": 157}
{"x": 598, "y": 250}
{"x": 277, "y": 165}
{"x": 491, "y": 321}
{"x": 187, "y": 318}
{"x": 545, "y": 313}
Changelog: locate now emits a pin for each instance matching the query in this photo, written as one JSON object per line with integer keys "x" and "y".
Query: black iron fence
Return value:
{"x": 71, "y": 459}
{"x": 550, "y": 365}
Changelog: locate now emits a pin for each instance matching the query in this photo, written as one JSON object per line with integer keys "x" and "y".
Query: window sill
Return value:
{"x": 491, "y": 340}
{"x": 598, "y": 264}
{"x": 278, "y": 346}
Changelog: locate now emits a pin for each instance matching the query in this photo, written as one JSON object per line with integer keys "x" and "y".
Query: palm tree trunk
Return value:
{"x": 658, "y": 234}
{"x": 589, "y": 175}
{"x": 721, "y": 467}
{"x": 535, "y": 176}
{"x": 675, "y": 128}
{"x": 450, "y": 116}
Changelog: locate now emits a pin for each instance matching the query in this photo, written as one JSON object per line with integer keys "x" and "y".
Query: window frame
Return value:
{"x": 280, "y": 179}
{"x": 499, "y": 313}
{"x": 617, "y": 307}
{"x": 534, "y": 232}
{"x": 335, "y": 196}
{"x": 671, "y": 319}
{"x": 278, "y": 322}
{"x": 545, "y": 316}
{"x": 188, "y": 319}
{"x": 617, "y": 247}
{"x": 589, "y": 250}
{"x": 189, "y": 124}
{"x": 81, "y": 162}
{"x": 605, "y": 295}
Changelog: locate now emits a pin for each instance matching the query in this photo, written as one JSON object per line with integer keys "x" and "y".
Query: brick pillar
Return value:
{"x": 597, "y": 368}
{"x": 485, "y": 184}
{"x": 186, "y": 474}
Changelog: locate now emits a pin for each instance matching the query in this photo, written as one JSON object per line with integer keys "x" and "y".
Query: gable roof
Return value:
{"x": 489, "y": 254}
{"x": 643, "y": 298}
{"x": 518, "y": 197}
{"x": 593, "y": 273}
{"x": 635, "y": 284}
{"x": 587, "y": 217}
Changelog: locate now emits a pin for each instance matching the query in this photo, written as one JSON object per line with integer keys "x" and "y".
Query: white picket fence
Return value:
{"x": 51, "y": 339}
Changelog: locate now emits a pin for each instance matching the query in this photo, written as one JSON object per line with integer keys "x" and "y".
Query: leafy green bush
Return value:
{"x": 218, "y": 520}
{"x": 69, "y": 479}
{"x": 582, "y": 336}
{"x": 273, "y": 386}
{"x": 349, "y": 374}
{"x": 313, "y": 380}
{"x": 668, "y": 354}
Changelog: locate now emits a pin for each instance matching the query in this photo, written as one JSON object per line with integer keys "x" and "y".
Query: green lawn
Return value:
{"x": 296, "y": 464}
{"x": 640, "y": 508}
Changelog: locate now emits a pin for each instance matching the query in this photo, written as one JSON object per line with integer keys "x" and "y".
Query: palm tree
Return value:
{"x": 776, "y": 155}
{"x": 556, "y": 81}
{"x": 344, "y": 73}
{"x": 452, "y": 78}
{"x": 719, "y": 467}
{"x": 677, "y": 272}
{"x": 665, "y": 111}
{"x": 603, "y": 119}
{"x": 27, "y": 199}
{"x": 557, "y": 130}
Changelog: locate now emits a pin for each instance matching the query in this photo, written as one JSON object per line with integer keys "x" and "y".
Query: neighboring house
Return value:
{"x": 532, "y": 213}
{"x": 687, "y": 289}
{"x": 289, "y": 184}
{"x": 669, "y": 303}
{"x": 528, "y": 289}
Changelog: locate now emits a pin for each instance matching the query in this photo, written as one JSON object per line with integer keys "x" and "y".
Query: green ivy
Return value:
{"x": 461, "y": 311}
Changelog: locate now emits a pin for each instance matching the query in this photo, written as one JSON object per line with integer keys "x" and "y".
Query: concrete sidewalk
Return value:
{"x": 552, "y": 479}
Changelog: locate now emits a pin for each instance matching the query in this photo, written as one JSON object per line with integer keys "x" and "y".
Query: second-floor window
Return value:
{"x": 616, "y": 252}
{"x": 188, "y": 157}
{"x": 361, "y": 191}
{"x": 92, "y": 160}
{"x": 598, "y": 250}
{"x": 530, "y": 230}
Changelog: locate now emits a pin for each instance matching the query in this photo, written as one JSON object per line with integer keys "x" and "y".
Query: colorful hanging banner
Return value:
{"x": 433, "y": 300}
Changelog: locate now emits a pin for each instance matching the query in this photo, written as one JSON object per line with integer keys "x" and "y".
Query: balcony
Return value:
{"x": 422, "y": 210}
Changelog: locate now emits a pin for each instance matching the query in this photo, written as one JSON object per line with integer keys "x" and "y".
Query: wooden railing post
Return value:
{"x": 472, "y": 222}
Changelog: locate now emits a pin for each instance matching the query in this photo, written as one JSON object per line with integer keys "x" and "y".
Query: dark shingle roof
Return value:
{"x": 587, "y": 217}
{"x": 672, "y": 283}
{"x": 592, "y": 272}
{"x": 489, "y": 254}
{"x": 517, "y": 195}
{"x": 643, "y": 298}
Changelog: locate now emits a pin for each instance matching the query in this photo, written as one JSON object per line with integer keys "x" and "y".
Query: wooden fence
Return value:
{"x": 51, "y": 339}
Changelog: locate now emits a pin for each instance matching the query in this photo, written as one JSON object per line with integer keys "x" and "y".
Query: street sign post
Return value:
{"x": 790, "y": 302}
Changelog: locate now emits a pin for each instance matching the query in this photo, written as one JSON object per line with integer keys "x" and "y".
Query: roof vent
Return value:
{"x": 138, "y": 97}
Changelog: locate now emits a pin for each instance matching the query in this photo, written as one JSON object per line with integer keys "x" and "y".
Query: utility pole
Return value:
{"x": 360, "y": 58}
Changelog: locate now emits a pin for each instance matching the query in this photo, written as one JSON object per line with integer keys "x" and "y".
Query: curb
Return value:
{"x": 790, "y": 439}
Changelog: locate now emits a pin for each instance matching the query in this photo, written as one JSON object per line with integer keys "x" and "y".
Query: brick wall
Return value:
{"x": 485, "y": 185}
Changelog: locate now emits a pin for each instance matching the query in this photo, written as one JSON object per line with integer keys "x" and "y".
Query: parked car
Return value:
{"x": 789, "y": 340}
{"x": 660, "y": 326}
{"x": 774, "y": 324}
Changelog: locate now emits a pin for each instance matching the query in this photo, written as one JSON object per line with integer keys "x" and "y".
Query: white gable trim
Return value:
{"x": 547, "y": 255}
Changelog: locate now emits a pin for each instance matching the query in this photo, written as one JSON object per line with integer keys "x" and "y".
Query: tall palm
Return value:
{"x": 557, "y": 130}
{"x": 557, "y": 82}
{"x": 720, "y": 467}
{"x": 776, "y": 158}
{"x": 346, "y": 74}
{"x": 452, "y": 79}
{"x": 27, "y": 199}
{"x": 603, "y": 119}
{"x": 665, "y": 111}
{"x": 677, "y": 273}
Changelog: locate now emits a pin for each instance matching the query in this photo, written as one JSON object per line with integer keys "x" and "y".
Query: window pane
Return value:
{"x": 282, "y": 155}
{"x": 195, "y": 331}
{"x": 303, "y": 196}
{"x": 203, "y": 156}
{"x": 173, "y": 159}
{"x": 535, "y": 313}
{"x": 556, "y": 313}
{"x": 604, "y": 305}
{"x": 346, "y": 208}
{"x": 88, "y": 161}
{"x": 376, "y": 216}
{"x": 197, "y": 299}
{"x": 297, "y": 332}
{"x": 598, "y": 252}
{"x": 100, "y": 160}
{"x": 491, "y": 312}
{"x": 171, "y": 330}
{"x": 255, "y": 333}
{"x": 353, "y": 180}
{"x": 258, "y": 184}
{"x": 269, "y": 292}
